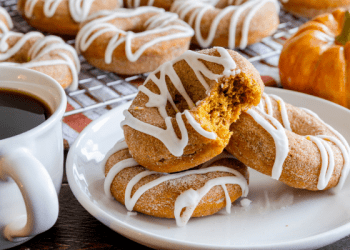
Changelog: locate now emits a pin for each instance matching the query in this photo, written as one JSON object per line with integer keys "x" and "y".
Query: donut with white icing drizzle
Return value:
{"x": 61, "y": 17}
{"x": 165, "y": 4}
{"x": 133, "y": 41}
{"x": 193, "y": 193}
{"x": 290, "y": 144}
{"x": 233, "y": 23}
{"x": 49, "y": 55}
{"x": 181, "y": 115}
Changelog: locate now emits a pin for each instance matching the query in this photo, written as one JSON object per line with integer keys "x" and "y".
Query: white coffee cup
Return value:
{"x": 31, "y": 163}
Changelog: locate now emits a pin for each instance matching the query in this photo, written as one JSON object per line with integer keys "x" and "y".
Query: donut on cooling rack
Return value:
{"x": 202, "y": 191}
{"x": 133, "y": 41}
{"x": 5, "y": 21}
{"x": 181, "y": 116}
{"x": 61, "y": 17}
{"x": 49, "y": 55}
{"x": 165, "y": 4}
{"x": 310, "y": 9}
{"x": 290, "y": 144}
{"x": 234, "y": 23}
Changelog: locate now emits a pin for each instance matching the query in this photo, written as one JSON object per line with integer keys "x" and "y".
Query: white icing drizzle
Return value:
{"x": 168, "y": 136}
{"x": 279, "y": 136}
{"x": 3, "y": 26}
{"x": 157, "y": 24}
{"x": 188, "y": 199}
{"x": 200, "y": 8}
{"x": 79, "y": 9}
{"x": 42, "y": 46}
{"x": 321, "y": 141}
{"x": 343, "y": 146}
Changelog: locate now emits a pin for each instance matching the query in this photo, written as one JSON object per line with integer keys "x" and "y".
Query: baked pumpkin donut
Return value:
{"x": 181, "y": 115}
{"x": 165, "y": 4}
{"x": 311, "y": 8}
{"x": 233, "y": 23}
{"x": 49, "y": 55}
{"x": 193, "y": 193}
{"x": 133, "y": 41}
{"x": 61, "y": 17}
{"x": 290, "y": 144}
{"x": 5, "y": 21}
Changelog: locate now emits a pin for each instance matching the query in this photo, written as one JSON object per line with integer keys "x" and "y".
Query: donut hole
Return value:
{"x": 226, "y": 101}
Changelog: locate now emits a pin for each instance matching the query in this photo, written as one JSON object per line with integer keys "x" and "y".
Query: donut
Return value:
{"x": 49, "y": 55}
{"x": 290, "y": 144}
{"x": 5, "y": 21}
{"x": 165, "y": 4}
{"x": 181, "y": 115}
{"x": 193, "y": 193}
{"x": 244, "y": 23}
{"x": 133, "y": 41}
{"x": 311, "y": 8}
{"x": 61, "y": 17}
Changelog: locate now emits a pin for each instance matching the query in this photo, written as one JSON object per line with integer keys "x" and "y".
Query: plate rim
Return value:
{"x": 334, "y": 234}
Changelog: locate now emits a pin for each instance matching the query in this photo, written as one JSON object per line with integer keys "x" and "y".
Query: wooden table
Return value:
{"x": 77, "y": 229}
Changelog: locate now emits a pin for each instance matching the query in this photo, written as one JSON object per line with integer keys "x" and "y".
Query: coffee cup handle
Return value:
{"x": 38, "y": 192}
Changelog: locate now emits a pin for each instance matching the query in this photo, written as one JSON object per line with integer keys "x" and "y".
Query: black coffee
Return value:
{"x": 20, "y": 112}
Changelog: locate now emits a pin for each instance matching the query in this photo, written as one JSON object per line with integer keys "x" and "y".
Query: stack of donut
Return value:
{"x": 176, "y": 129}
{"x": 49, "y": 55}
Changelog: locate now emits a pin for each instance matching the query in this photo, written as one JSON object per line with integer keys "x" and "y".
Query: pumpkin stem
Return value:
{"x": 344, "y": 36}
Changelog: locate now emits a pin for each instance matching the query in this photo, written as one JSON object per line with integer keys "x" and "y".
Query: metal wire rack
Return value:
{"x": 99, "y": 88}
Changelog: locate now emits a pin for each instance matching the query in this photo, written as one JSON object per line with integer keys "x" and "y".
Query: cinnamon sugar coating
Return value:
{"x": 159, "y": 201}
{"x": 134, "y": 41}
{"x": 255, "y": 147}
{"x": 214, "y": 109}
{"x": 229, "y": 23}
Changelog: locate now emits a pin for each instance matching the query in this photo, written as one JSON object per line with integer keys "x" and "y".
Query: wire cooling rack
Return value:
{"x": 99, "y": 88}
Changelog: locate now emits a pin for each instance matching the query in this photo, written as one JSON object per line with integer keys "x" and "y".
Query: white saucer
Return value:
{"x": 279, "y": 217}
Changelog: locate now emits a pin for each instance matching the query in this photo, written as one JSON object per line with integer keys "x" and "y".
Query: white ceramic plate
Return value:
{"x": 279, "y": 217}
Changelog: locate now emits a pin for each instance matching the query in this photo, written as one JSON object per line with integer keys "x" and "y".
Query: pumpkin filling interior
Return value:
{"x": 225, "y": 102}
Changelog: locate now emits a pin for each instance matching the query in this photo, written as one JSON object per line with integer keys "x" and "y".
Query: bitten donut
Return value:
{"x": 245, "y": 22}
{"x": 133, "y": 41}
{"x": 193, "y": 193}
{"x": 49, "y": 55}
{"x": 311, "y": 8}
{"x": 5, "y": 21}
{"x": 181, "y": 116}
{"x": 165, "y": 4}
{"x": 290, "y": 144}
{"x": 61, "y": 17}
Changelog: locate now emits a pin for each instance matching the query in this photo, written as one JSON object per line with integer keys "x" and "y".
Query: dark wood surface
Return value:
{"x": 77, "y": 229}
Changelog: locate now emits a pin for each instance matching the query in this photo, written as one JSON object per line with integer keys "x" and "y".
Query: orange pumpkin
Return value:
{"x": 313, "y": 62}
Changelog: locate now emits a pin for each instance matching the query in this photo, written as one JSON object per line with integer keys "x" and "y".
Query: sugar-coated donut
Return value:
{"x": 165, "y": 4}
{"x": 133, "y": 41}
{"x": 233, "y": 23}
{"x": 61, "y": 17}
{"x": 49, "y": 55}
{"x": 312, "y": 8}
{"x": 181, "y": 116}
{"x": 290, "y": 144}
{"x": 193, "y": 193}
{"x": 5, "y": 21}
